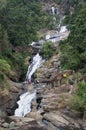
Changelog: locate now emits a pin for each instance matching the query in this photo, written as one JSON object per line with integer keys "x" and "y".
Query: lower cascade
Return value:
{"x": 37, "y": 61}
{"x": 24, "y": 104}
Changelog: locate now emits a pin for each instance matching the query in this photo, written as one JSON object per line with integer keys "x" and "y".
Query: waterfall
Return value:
{"x": 24, "y": 104}
{"x": 37, "y": 61}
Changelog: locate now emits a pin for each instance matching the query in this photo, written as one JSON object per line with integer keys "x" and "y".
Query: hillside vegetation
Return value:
{"x": 73, "y": 52}
{"x": 20, "y": 21}
{"x": 74, "y": 48}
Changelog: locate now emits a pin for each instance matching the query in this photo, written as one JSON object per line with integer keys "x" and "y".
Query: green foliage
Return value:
{"x": 73, "y": 49}
{"x": 5, "y": 67}
{"x": 79, "y": 100}
{"x": 1, "y": 77}
{"x": 5, "y": 48}
{"x": 18, "y": 61}
{"x": 22, "y": 19}
{"x": 48, "y": 50}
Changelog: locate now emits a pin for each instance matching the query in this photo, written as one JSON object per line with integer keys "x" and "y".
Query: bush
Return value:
{"x": 5, "y": 67}
{"x": 48, "y": 50}
{"x": 79, "y": 100}
{"x": 1, "y": 77}
{"x": 18, "y": 60}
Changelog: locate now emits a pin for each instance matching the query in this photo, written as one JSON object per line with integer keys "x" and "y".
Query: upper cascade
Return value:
{"x": 37, "y": 61}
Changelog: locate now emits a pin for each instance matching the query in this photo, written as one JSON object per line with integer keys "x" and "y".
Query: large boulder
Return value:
{"x": 61, "y": 121}
{"x": 10, "y": 95}
{"x": 35, "y": 115}
{"x": 26, "y": 123}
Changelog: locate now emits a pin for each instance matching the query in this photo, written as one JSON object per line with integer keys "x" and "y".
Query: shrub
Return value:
{"x": 18, "y": 60}
{"x": 48, "y": 50}
{"x": 79, "y": 100}
{"x": 1, "y": 77}
{"x": 5, "y": 67}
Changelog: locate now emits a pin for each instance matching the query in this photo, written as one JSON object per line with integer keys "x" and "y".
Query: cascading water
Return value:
{"x": 24, "y": 104}
{"x": 37, "y": 61}
{"x": 25, "y": 99}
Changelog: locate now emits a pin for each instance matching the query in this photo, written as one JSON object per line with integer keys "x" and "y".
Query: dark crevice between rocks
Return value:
{"x": 38, "y": 101}
{"x": 11, "y": 110}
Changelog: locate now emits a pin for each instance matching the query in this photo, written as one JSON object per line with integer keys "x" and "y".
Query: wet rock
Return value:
{"x": 84, "y": 126}
{"x": 35, "y": 115}
{"x": 25, "y": 123}
{"x": 51, "y": 127}
{"x": 8, "y": 98}
{"x": 84, "y": 117}
{"x": 5, "y": 125}
{"x": 61, "y": 121}
{"x": 56, "y": 119}
{"x": 2, "y": 115}
{"x": 1, "y": 128}
{"x": 12, "y": 124}
{"x": 31, "y": 127}
{"x": 72, "y": 113}
{"x": 21, "y": 119}
{"x": 34, "y": 105}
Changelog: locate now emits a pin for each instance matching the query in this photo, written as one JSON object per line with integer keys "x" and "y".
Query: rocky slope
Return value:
{"x": 56, "y": 91}
{"x": 9, "y": 97}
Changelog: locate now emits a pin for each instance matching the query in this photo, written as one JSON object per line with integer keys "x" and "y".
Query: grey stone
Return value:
{"x": 5, "y": 125}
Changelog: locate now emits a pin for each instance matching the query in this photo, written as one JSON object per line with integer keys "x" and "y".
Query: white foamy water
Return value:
{"x": 24, "y": 104}
{"x": 63, "y": 29}
{"x": 36, "y": 63}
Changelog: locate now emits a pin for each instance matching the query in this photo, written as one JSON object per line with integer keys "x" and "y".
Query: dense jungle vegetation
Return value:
{"x": 20, "y": 21}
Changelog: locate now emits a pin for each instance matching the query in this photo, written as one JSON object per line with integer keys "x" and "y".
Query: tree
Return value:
{"x": 74, "y": 48}
{"x": 48, "y": 50}
{"x": 22, "y": 19}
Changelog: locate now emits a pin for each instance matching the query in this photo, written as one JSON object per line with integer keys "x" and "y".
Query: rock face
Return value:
{"x": 50, "y": 73}
{"x": 61, "y": 121}
{"x": 31, "y": 127}
{"x": 21, "y": 123}
{"x": 55, "y": 89}
{"x": 8, "y": 98}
